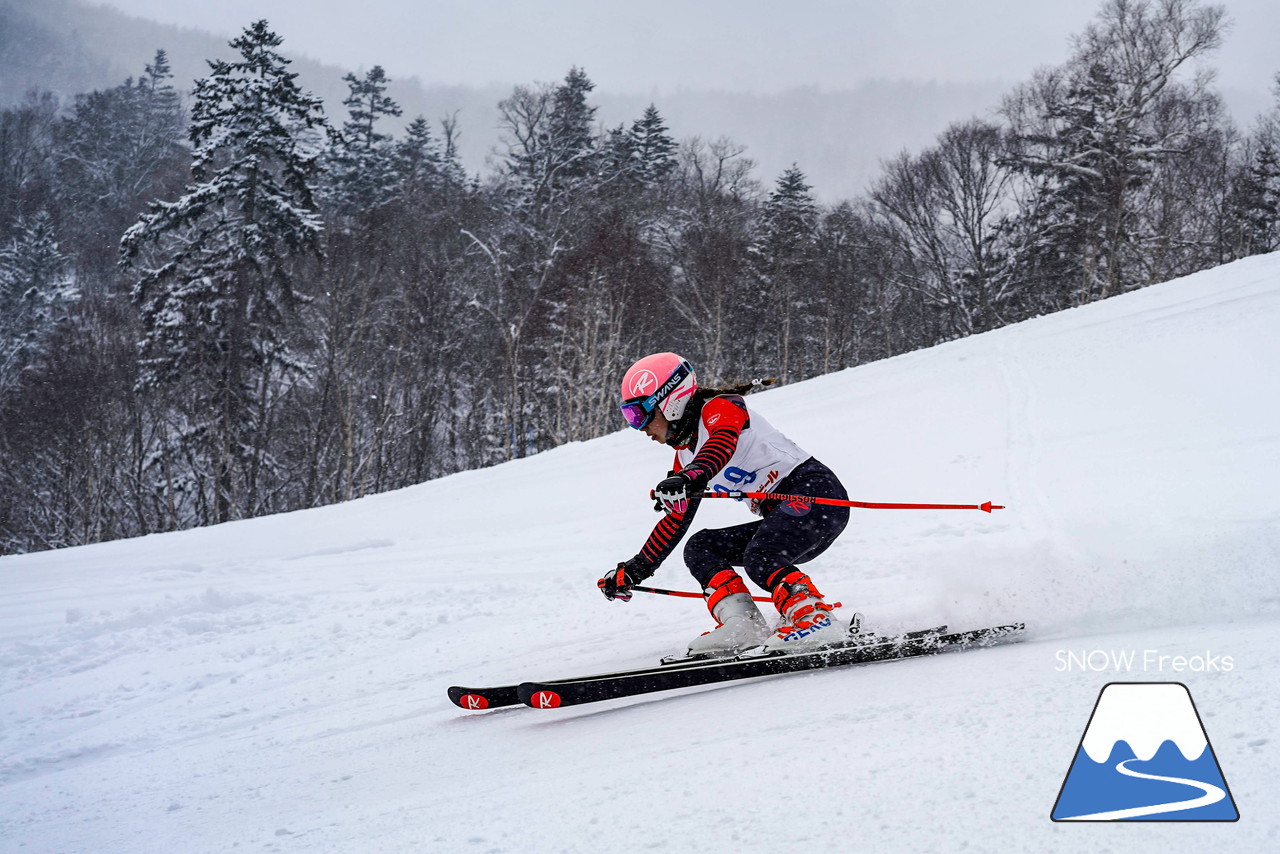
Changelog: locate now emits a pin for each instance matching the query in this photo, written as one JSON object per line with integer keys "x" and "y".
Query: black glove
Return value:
{"x": 653, "y": 493}
{"x": 618, "y": 582}
{"x": 673, "y": 493}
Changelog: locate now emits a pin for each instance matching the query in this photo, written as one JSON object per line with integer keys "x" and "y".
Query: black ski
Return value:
{"x": 592, "y": 689}
{"x": 497, "y": 696}
{"x": 478, "y": 699}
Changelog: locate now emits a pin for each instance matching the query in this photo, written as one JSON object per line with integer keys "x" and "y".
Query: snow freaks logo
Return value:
{"x": 1146, "y": 660}
{"x": 1145, "y": 756}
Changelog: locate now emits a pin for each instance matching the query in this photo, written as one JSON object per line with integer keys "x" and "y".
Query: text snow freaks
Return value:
{"x": 1146, "y": 660}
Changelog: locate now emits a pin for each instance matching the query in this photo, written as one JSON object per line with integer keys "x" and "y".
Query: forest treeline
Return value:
{"x": 224, "y": 304}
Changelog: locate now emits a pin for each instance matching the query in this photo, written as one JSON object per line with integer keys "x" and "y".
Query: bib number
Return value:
{"x": 736, "y": 476}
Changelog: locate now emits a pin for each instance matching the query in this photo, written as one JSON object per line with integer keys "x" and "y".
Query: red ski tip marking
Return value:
{"x": 545, "y": 700}
{"x": 987, "y": 507}
{"x": 474, "y": 702}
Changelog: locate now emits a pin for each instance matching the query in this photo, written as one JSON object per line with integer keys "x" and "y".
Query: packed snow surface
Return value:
{"x": 279, "y": 684}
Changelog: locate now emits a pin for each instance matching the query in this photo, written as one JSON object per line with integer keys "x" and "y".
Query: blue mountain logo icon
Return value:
{"x": 1145, "y": 756}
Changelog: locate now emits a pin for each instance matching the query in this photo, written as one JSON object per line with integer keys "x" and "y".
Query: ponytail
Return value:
{"x": 737, "y": 388}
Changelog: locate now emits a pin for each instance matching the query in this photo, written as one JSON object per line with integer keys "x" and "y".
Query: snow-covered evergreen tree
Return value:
{"x": 790, "y": 216}
{"x": 643, "y": 154}
{"x": 571, "y": 125}
{"x": 785, "y": 254}
{"x": 545, "y": 204}
{"x": 418, "y": 159}
{"x": 1253, "y": 206}
{"x": 34, "y": 295}
{"x": 26, "y": 144}
{"x": 116, "y": 150}
{"x": 423, "y": 162}
{"x": 1097, "y": 156}
{"x": 1086, "y": 137}
{"x": 217, "y": 266}
{"x": 651, "y": 146}
{"x": 362, "y": 168}
{"x": 551, "y": 143}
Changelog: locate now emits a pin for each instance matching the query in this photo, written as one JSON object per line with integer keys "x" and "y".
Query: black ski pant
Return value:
{"x": 790, "y": 532}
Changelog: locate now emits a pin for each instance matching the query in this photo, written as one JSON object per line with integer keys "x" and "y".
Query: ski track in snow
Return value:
{"x": 279, "y": 684}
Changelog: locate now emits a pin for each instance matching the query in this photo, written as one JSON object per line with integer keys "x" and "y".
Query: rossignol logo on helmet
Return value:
{"x": 643, "y": 381}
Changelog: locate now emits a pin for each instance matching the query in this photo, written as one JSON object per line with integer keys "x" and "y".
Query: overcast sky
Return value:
{"x": 735, "y": 45}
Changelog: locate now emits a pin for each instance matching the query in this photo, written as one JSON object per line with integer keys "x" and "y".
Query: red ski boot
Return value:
{"x": 807, "y": 622}
{"x": 739, "y": 623}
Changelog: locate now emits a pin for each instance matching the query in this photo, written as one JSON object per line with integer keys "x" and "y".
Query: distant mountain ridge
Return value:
{"x": 836, "y": 137}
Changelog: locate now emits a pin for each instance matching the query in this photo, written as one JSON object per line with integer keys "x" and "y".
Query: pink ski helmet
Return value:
{"x": 662, "y": 381}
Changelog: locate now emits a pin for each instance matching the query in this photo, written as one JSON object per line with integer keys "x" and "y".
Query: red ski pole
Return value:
{"x": 685, "y": 593}
{"x": 986, "y": 506}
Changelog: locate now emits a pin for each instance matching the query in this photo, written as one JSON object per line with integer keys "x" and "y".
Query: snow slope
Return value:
{"x": 279, "y": 684}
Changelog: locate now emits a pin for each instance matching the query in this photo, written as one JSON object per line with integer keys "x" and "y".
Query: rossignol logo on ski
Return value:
{"x": 473, "y": 702}
{"x": 1145, "y": 756}
{"x": 545, "y": 700}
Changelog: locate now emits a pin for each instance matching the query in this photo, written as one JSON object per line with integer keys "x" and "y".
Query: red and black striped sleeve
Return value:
{"x": 724, "y": 418}
{"x": 667, "y": 534}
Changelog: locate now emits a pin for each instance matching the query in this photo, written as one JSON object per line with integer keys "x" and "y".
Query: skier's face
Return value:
{"x": 658, "y": 428}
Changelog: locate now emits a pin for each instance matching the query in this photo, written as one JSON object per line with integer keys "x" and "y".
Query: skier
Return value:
{"x": 722, "y": 445}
